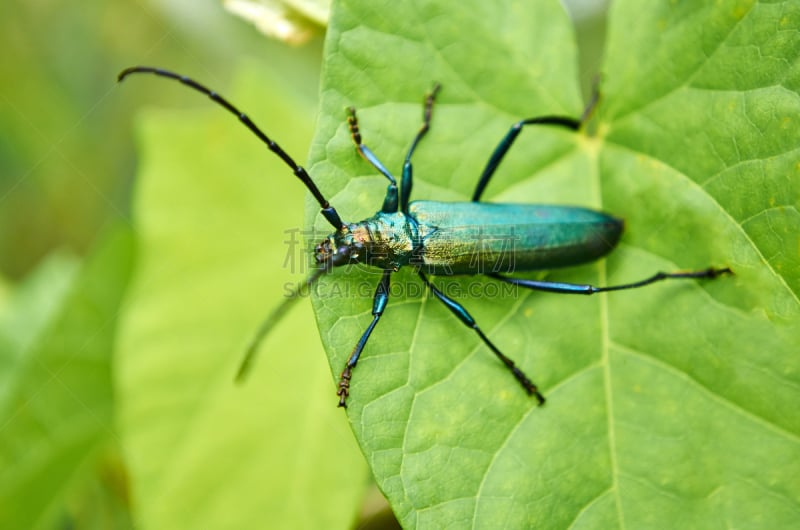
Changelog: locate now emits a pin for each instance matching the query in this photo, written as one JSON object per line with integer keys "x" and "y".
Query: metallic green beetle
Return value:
{"x": 448, "y": 238}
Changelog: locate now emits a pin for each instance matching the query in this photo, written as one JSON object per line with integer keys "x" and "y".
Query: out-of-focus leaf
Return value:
{"x": 291, "y": 21}
{"x": 55, "y": 407}
{"x": 31, "y": 305}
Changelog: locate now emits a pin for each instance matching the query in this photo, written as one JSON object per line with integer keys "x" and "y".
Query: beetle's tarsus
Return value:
{"x": 344, "y": 387}
{"x": 528, "y": 385}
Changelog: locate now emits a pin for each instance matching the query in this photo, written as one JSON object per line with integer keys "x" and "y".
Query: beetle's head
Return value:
{"x": 340, "y": 248}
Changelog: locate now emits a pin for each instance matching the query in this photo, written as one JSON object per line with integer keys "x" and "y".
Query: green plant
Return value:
{"x": 674, "y": 403}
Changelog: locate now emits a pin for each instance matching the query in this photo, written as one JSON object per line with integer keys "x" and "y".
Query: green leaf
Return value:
{"x": 215, "y": 211}
{"x": 676, "y": 402}
{"x": 55, "y": 404}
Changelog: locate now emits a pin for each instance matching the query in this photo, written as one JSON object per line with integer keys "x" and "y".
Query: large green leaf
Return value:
{"x": 673, "y": 405}
{"x": 214, "y": 212}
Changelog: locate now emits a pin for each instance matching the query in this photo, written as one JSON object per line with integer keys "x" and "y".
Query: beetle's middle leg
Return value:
{"x": 505, "y": 144}
{"x": 406, "y": 180}
{"x": 502, "y": 148}
{"x": 459, "y": 311}
{"x": 378, "y": 305}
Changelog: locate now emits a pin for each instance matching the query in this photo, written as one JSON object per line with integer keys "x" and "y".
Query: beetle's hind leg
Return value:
{"x": 578, "y": 288}
{"x": 459, "y": 311}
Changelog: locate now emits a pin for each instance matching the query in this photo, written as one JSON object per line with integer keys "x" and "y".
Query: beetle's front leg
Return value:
{"x": 390, "y": 201}
{"x": 378, "y": 305}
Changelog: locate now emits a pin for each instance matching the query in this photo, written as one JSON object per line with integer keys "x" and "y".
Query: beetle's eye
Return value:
{"x": 322, "y": 251}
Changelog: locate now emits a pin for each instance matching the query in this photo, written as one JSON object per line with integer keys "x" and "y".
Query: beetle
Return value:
{"x": 439, "y": 238}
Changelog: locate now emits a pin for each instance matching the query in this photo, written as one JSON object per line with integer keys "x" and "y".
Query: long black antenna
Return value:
{"x": 339, "y": 258}
{"x": 328, "y": 211}
{"x": 274, "y": 317}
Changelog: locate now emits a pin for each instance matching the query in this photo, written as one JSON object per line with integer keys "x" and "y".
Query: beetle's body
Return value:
{"x": 449, "y": 238}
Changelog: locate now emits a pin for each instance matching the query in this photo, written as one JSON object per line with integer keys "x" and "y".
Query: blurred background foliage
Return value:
{"x": 68, "y": 162}
{"x": 67, "y": 151}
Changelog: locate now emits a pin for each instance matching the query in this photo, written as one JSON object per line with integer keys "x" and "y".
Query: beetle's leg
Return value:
{"x": 505, "y": 144}
{"x": 459, "y": 311}
{"x": 575, "y": 288}
{"x": 406, "y": 180}
{"x": 390, "y": 201}
{"x": 328, "y": 211}
{"x": 378, "y": 305}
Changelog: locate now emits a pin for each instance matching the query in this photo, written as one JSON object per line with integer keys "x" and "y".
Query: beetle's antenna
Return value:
{"x": 275, "y": 317}
{"x": 328, "y": 211}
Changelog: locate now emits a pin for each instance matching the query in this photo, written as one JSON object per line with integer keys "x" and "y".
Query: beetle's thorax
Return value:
{"x": 385, "y": 240}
